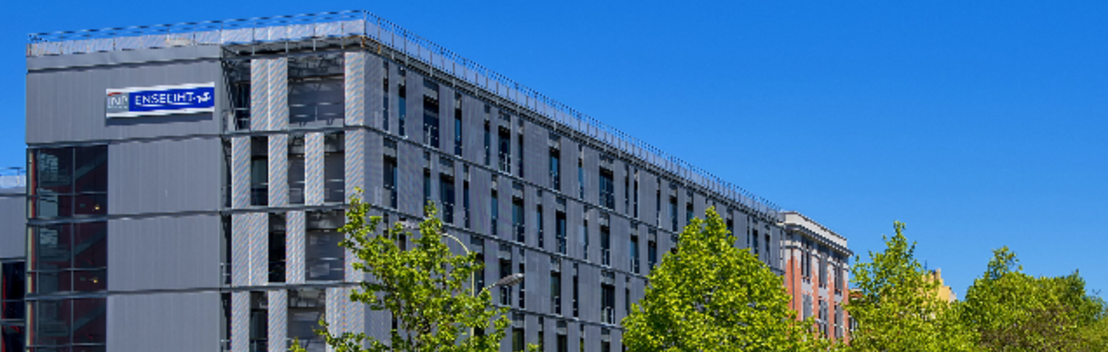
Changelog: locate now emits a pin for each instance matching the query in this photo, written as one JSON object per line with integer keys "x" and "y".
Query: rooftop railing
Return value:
{"x": 363, "y": 23}
{"x": 12, "y": 177}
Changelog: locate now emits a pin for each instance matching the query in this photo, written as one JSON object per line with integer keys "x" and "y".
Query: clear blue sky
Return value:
{"x": 978, "y": 124}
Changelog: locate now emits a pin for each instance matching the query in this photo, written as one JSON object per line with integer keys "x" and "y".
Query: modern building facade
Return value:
{"x": 13, "y": 248}
{"x": 187, "y": 182}
{"x": 817, "y": 264}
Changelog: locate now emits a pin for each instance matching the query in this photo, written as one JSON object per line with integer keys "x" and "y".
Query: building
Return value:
{"x": 13, "y": 248}
{"x": 191, "y": 200}
{"x": 943, "y": 292}
{"x": 817, "y": 261}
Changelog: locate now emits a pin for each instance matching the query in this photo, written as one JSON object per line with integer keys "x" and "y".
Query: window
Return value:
{"x": 259, "y": 321}
{"x": 478, "y": 246}
{"x": 651, "y": 253}
{"x": 555, "y": 165}
{"x": 634, "y": 250}
{"x": 635, "y": 194}
{"x": 556, "y": 292}
{"x": 626, "y": 190}
{"x": 431, "y": 114}
{"x": 504, "y": 153}
{"x": 69, "y": 182}
{"x": 520, "y": 154}
{"x": 402, "y": 105}
{"x": 576, "y": 291}
{"x": 277, "y": 247}
{"x": 495, "y": 214}
{"x": 385, "y": 88}
{"x": 560, "y": 231}
{"x": 296, "y": 168}
{"x": 755, "y": 244}
{"x": 69, "y": 258}
{"x": 585, "y": 237}
{"x": 542, "y": 342}
{"x": 426, "y": 187}
{"x": 608, "y": 302}
{"x": 517, "y": 219}
{"x": 305, "y": 307}
{"x": 505, "y": 291}
{"x": 391, "y": 181}
{"x": 446, "y": 196}
{"x": 607, "y": 189}
{"x": 488, "y": 147}
{"x": 517, "y": 339}
{"x": 259, "y": 171}
{"x": 523, "y": 281}
{"x": 581, "y": 178}
{"x": 605, "y": 246}
{"x": 65, "y": 322}
{"x": 562, "y": 345}
{"x": 627, "y": 298}
{"x": 688, "y": 213}
{"x": 334, "y": 167}
{"x": 465, "y": 202}
{"x": 673, "y": 213}
{"x": 457, "y": 124}
{"x": 12, "y": 289}
{"x": 768, "y": 252}
{"x": 324, "y": 259}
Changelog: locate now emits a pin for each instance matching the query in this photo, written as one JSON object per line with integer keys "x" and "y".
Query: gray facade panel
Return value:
{"x": 123, "y": 57}
{"x": 84, "y": 94}
{"x": 410, "y": 183}
{"x": 164, "y": 253}
{"x": 13, "y": 220}
{"x": 414, "y": 121}
{"x": 164, "y": 176}
{"x": 183, "y": 322}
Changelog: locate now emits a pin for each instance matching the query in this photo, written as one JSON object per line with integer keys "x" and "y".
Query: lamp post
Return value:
{"x": 507, "y": 281}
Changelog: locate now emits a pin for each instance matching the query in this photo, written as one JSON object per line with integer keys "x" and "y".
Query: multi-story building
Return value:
{"x": 13, "y": 233}
{"x": 942, "y": 291}
{"x": 817, "y": 261}
{"x": 187, "y": 182}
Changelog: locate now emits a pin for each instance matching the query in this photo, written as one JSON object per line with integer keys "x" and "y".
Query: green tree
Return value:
{"x": 896, "y": 308}
{"x": 711, "y": 296}
{"x": 425, "y": 287}
{"x": 1013, "y": 311}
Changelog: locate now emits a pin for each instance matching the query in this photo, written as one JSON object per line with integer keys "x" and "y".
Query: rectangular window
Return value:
{"x": 385, "y": 88}
{"x": 504, "y": 153}
{"x": 259, "y": 171}
{"x": 277, "y": 247}
{"x": 465, "y": 202}
{"x": 635, "y": 194}
{"x": 446, "y": 196}
{"x": 605, "y": 246}
{"x": 607, "y": 189}
{"x": 634, "y": 250}
{"x": 523, "y": 282}
{"x": 12, "y": 290}
{"x": 59, "y": 324}
{"x": 626, "y": 191}
{"x": 427, "y": 187}
{"x": 391, "y": 181}
{"x": 431, "y": 114}
{"x": 520, "y": 154}
{"x": 560, "y": 231}
{"x": 768, "y": 253}
{"x": 69, "y": 258}
{"x": 495, "y": 214}
{"x": 673, "y": 214}
{"x": 651, "y": 254}
{"x": 581, "y": 178}
{"x": 608, "y": 303}
{"x": 540, "y": 241}
{"x": 518, "y": 344}
{"x": 505, "y": 291}
{"x": 478, "y": 246}
{"x": 68, "y": 182}
{"x": 755, "y": 245}
{"x": 584, "y": 232}
{"x": 305, "y": 307}
{"x": 555, "y": 166}
{"x": 556, "y": 292}
{"x": 688, "y": 213}
{"x": 563, "y": 346}
{"x": 458, "y": 125}
{"x": 576, "y": 291}
{"x": 402, "y": 106}
{"x": 334, "y": 167}
{"x": 296, "y": 168}
{"x": 324, "y": 259}
{"x": 259, "y": 320}
{"x": 517, "y": 219}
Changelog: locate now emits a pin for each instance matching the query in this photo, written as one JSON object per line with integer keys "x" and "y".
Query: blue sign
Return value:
{"x": 160, "y": 100}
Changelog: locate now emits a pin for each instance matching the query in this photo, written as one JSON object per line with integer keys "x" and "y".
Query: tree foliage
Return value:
{"x": 711, "y": 296}
{"x": 896, "y": 308}
{"x": 1013, "y": 311}
{"x": 425, "y": 287}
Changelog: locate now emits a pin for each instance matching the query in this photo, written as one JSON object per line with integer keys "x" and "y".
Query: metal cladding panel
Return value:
{"x": 538, "y": 282}
{"x": 621, "y": 286}
{"x": 479, "y": 195}
{"x": 617, "y": 340}
{"x": 700, "y": 206}
{"x": 84, "y": 89}
{"x": 592, "y": 337}
{"x": 459, "y": 197}
{"x": 573, "y": 336}
{"x": 682, "y": 202}
{"x": 313, "y": 161}
{"x": 164, "y": 173}
{"x": 166, "y": 322}
{"x": 240, "y": 321}
{"x": 278, "y": 320}
{"x": 537, "y": 153}
{"x": 592, "y": 176}
{"x": 295, "y": 249}
{"x": 473, "y": 133}
{"x": 531, "y": 329}
{"x": 619, "y": 175}
{"x": 621, "y": 242}
{"x": 740, "y": 227}
{"x": 374, "y": 95}
{"x": 374, "y": 174}
{"x": 354, "y": 313}
{"x": 594, "y": 234}
{"x": 394, "y": 99}
{"x": 378, "y": 325}
{"x": 259, "y": 94}
{"x": 446, "y": 119}
{"x": 277, "y": 80}
{"x": 648, "y": 203}
{"x": 240, "y": 249}
{"x": 278, "y": 170}
{"x": 549, "y": 219}
{"x": 240, "y": 172}
{"x": 410, "y": 178}
{"x": 504, "y": 225}
{"x": 570, "y": 156}
{"x": 567, "y": 288}
{"x": 355, "y": 160}
{"x": 414, "y": 122}
{"x": 164, "y": 253}
{"x": 259, "y": 248}
{"x": 574, "y": 222}
{"x": 354, "y": 88}
{"x": 13, "y": 219}
{"x": 638, "y": 291}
